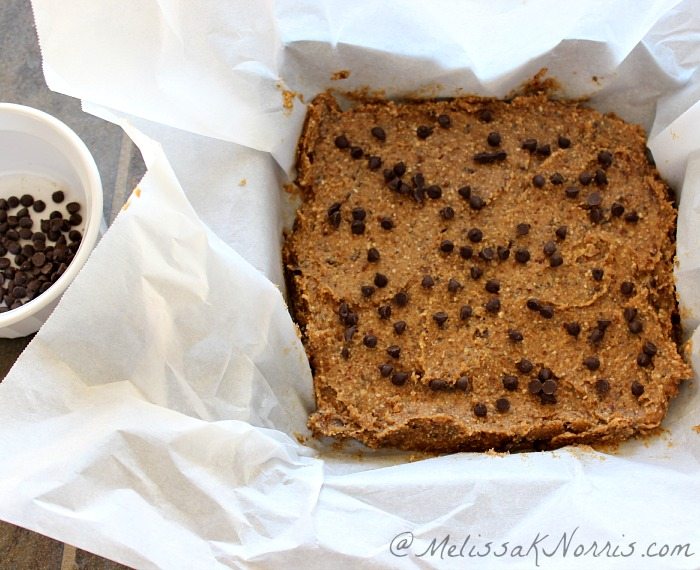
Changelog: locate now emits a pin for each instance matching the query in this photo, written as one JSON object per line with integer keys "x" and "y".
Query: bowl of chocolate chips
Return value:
{"x": 50, "y": 215}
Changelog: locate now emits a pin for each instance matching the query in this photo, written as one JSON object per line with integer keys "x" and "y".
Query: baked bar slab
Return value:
{"x": 474, "y": 274}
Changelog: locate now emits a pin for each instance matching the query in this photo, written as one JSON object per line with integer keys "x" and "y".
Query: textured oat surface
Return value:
{"x": 516, "y": 332}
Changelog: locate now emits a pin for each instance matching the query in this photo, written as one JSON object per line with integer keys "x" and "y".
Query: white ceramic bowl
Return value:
{"x": 38, "y": 155}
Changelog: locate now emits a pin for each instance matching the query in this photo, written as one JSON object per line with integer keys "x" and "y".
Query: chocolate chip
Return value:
{"x": 529, "y": 145}
{"x": 401, "y": 299}
{"x": 356, "y": 152}
{"x": 372, "y": 255}
{"x": 515, "y": 335}
{"x": 487, "y": 254}
{"x": 596, "y": 335}
{"x": 427, "y": 282}
{"x": 357, "y": 227}
{"x": 385, "y": 370}
{"x": 503, "y": 252}
{"x": 418, "y": 180}
{"x": 635, "y": 326}
{"x": 637, "y": 388}
{"x": 617, "y": 209}
{"x": 399, "y": 327}
{"x": 424, "y": 131}
{"x": 533, "y": 304}
{"x": 349, "y": 333}
{"x": 556, "y": 179}
{"x": 549, "y": 248}
{"x": 367, "y": 290}
{"x": 485, "y": 115}
{"x": 341, "y": 141}
{"x": 605, "y": 158}
{"x": 480, "y": 410}
{"x": 38, "y": 259}
{"x": 378, "y": 133}
{"x": 466, "y": 252}
{"x": 571, "y": 192}
{"x": 434, "y": 192}
{"x": 524, "y": 365}
{"x": 13, "y": 201}
{"x": 585, "y": 178}
{"x": 627, "y": 288}
{"x": 629, "y": 313}
{"x": 394, "y": 351}
{"x": 490, "y": 157}
{"x": 591, "y": 362}
{"x": 493, "y": 305}
{"x": 453, "y": 285}
{"x": 476, "y": 272}
{"x": 394, "y": 184}
{"x": 510, "y": 383}
{"x": 384, "y": 311}
{"x": 440, "y": 318}
{"x": 463, "y": 384}
{"x": 447, "y": 213}
{"x": 538, "y": 180}
{"x": 561, "y": 232}
{"x": 26, "y": 200}
{"x": 389, "y": 175}
{"x": 632, "y": 217}
{"x": 597, "y": 274}
{"x": 595, "y": 215}
{"x": 649, "y": 348}
{"x": 386, "y": 223}
{"x": 600, "y": 178}
{"x": 381, "y": 280}
{"x": 18, "y": 292}
{"x": 358, "y": 213}
{"x": 476, "y": 202}
{"x": 444, "y": 121}
{"x": 465, "y": 312}
{"x": 602, "y": 386}
{"x": 437, "y": 384}
{"x": 574, "y": 328}
{"x": 522, "y": 255}
{"x": 544, "y": 150}
{"x": 465, "y": 192}
{"x": 399, "y": 169}
{"x": 446, "y": 246}
{"x": 399, "y": 378}
{"x": 556, "y": 260}
{"x": 643, "y": 359}
{"x": 493, "y": 139}
{"x": 603, "y": 324}
{"x": 370, "y": 341}
{"x": 594, "y": 199}
{"x": 493, "y": 286}
{"x": 522, "y": 229}
{"x": 534, "y": 387}
{"x": 502, "y": 405}
{"x": 547, "y": 311}
{"x": 563, "y": 142}
{"x": 374, "y": 163}
{"x": 475, "y": 235}
{"x": 549, "y": 387}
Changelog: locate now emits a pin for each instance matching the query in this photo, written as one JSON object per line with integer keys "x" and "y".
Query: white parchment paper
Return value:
{"x": 153, "y": 419}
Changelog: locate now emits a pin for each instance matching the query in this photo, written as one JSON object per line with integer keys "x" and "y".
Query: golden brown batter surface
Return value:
{"x": 475, "y": 274}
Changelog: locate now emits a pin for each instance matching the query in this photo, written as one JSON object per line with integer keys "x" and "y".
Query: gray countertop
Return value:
{"x": 121, "y": 167}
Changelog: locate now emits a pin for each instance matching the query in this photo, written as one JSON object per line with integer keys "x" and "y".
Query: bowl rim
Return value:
{"x": 92, "y": 222}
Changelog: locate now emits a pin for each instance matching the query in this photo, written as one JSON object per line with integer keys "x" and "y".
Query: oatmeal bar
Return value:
{"x": 476, "y": 273}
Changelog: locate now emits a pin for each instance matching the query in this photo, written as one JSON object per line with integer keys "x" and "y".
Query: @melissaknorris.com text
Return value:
{"x": 540, "y": 548}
